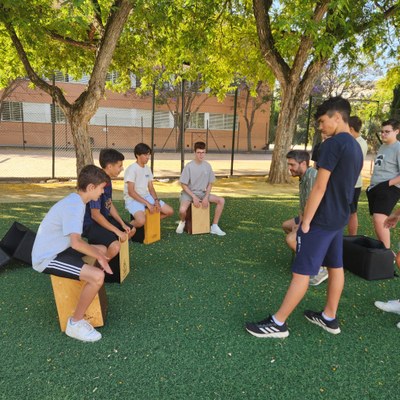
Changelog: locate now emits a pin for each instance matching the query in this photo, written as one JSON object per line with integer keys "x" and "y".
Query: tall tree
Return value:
{"x": 71, "y": 36}
{"x": 297, "y": 39}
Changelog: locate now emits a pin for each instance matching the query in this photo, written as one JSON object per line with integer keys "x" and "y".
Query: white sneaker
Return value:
{"x": 317, "y": 279}
{"x": 392, "y": 306}
{"x": 181, "y": 227}
{"x": 82, "y": 330}
{"x": 216, "y": 230}
{"x": 398, "y": 325}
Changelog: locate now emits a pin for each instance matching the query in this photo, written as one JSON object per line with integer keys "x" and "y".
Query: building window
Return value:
{"x": 11, "y": 111}
{"x": 58, "y": 114}
{"x": 61, "y": 77}
{"x": 162, "y": 119}
{"x": 221, "y": 121}
{"x": 112, "y": 77}
{"x": 196, "y": 121}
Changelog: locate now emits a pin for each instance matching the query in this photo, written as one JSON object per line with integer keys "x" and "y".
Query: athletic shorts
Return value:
{"x": 67, "y": 264}
{"x": 96, "y": 234}
{"x": 134, "y": 206}
{"x": 317, "y": 247}
{"x": 354, "y": 203}
{"x": 186, "y": 197}
{"x": 382, "y": 198}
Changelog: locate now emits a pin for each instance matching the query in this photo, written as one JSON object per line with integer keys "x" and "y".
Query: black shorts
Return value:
{"x": 354, "y": 203}
{"x": 96, "y": 234}
{"x": 67, "y": 264}
{"x": 382, "y": 198}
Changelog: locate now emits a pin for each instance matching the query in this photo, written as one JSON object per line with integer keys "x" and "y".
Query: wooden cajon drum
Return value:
{"x": 120, "y": 264}
{"x": 197, "y": 220}
{"x": 66, "y": 295}
{"x": 152, "y": 227}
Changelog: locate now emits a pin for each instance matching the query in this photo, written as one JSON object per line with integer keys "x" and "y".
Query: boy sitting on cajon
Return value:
{"x": 196, "y": 180}
{"x": 102, "y": 223}
{"x": 58, "y": 248}
{"x": 139, "y": 191}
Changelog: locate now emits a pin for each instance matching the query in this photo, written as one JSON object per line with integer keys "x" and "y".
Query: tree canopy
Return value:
{"x": 297, "y": 39}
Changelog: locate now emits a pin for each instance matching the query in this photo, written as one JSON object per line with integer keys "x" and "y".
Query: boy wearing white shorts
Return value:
{"x": 139, "y": 192}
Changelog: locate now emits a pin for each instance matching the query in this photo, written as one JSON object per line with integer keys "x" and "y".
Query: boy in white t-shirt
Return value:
{"x": 139, "y": 191}
{"x": 58, "y": 248}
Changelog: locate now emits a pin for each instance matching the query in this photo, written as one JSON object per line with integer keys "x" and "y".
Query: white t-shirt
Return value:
{"x": 364, "y": 149}
{"x": 140, "y": 176}
{"x": 64, "y": 218}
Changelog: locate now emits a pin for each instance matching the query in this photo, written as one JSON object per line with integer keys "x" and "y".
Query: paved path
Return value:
{"x": 37, "y": 164}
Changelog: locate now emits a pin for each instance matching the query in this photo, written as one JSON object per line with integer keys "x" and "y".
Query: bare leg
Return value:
{"x": 335, "y": 288}
{"x": 94, "y": 278}
{"x": 382, "y": 233}
{"x": 291, "y": 240}
{"x": 183, "y": 209}
{"x": 352, "y": 226}
{"x": 220, "y": 203}
{"x": 139, "y": 220}
{"x": 295, "y": 293}
{"x": 288, "y": 225}
{"x": 166, "y": 211}
{"x": 113, "y": 249}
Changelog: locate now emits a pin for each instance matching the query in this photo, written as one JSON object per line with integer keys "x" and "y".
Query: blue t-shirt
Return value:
{"x": 342, "y": 156}
{"x": 103, "y": 204}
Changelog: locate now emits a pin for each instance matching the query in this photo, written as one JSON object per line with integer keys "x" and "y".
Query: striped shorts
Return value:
{"x": 67, "y": 264}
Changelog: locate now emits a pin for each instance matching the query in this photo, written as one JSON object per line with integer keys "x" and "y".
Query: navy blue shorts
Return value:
{"x": 96, "y": 234}
{"x": 316, "y": 248}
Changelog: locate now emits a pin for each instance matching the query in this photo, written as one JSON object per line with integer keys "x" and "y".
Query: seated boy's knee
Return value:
{"x": 114, "y": 248}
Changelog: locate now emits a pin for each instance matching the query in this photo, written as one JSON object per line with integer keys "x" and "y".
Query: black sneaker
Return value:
{"x": 317, "y": 319}
{"x": 267, "y": 329}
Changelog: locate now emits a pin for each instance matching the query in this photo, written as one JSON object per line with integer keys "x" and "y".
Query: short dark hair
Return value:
{"x": 299, "y": 156}
{"x": 110, "y": 156}
{"x": 355, "y": 123}
{"x": 142, "y": 148}
{"x": 332, "y": 105}
{"x": 199, "y": 145}
{"x": 394, "y": 123}
{"x": 91, "y": 174}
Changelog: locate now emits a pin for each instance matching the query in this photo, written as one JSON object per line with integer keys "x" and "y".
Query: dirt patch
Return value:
{"x": 166, "y": 188}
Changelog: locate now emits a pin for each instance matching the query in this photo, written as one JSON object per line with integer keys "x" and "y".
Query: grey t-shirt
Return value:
{"x": 64, "y": 218}
{"x": 387, "y": 164}
{"x": 197, "y": 177}
{"x": 306, "y": 184}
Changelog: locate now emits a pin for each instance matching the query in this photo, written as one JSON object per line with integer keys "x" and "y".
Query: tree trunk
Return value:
{"x": 80, "y": 135}
{"x": 285, "y": 129}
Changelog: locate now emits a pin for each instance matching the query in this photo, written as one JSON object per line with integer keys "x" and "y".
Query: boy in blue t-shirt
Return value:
{"x": 320, "y": 235}
{"x": 103, "y": 224}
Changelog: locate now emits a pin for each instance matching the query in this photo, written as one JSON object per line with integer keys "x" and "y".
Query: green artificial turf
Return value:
{"x": 175, "y": 327}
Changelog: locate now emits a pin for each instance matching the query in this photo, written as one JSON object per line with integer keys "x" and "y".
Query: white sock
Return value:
{"x": 279, "y": 323}
{"x": 327, "y": 318}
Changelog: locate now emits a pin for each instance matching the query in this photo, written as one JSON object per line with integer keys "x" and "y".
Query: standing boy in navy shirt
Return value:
{"x": 320, "y": 235}
{"x": 103, "y": 224}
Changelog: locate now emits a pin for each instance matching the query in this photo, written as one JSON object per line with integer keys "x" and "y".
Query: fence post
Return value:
{"x": 53, "y": 133}
{"x": 234, "y": 129}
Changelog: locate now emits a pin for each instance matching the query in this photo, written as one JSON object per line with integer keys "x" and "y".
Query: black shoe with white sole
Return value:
{"x": 318, "y": 319}
{"x": 267, "y": 329}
